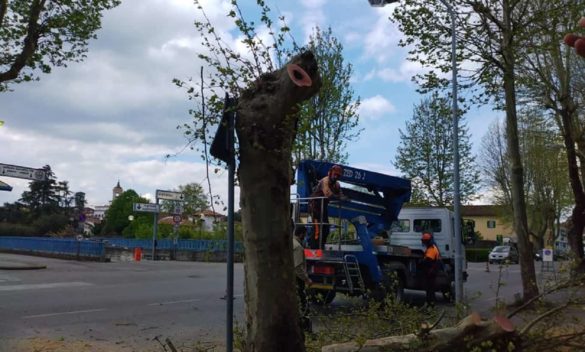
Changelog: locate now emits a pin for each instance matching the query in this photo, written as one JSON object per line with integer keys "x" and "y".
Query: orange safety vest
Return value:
{"x": 432, "y": 253}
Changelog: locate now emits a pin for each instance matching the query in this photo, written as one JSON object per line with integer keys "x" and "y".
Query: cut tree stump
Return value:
{"x": 266, "y": 127}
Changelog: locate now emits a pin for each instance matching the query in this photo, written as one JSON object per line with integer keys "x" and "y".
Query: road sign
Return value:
{"x": 22, "y": 172}
{"x": 177, "y": 209}
{"x": 5, "y": 187}
{"x": 169, "y": 195}
{"x": 177, "y": 219}
{"x": 547, "y": 255}
{"x": 146, "y": 207}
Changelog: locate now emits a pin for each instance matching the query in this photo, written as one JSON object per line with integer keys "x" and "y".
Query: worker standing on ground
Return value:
{"x": 430, "y": 265}
{"x": 302, "y": 278}
{"x": 327, "y": 188}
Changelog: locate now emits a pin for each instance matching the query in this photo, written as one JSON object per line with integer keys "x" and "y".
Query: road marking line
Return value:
{"x": 174, "y": 302}
{"x": 6, "y": 278}
{"x": 63, "y": 313}
{"x": 41, "y": 286}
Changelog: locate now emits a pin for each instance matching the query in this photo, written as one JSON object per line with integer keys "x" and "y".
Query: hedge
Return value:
{"x": 477, "y": 254}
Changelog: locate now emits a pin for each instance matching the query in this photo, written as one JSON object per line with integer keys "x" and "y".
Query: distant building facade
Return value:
{"x": 116, "y": 191}
{"x": 489, "y": 221}
{"x": 206, "y": 219}
{"x": 97, "y": 214}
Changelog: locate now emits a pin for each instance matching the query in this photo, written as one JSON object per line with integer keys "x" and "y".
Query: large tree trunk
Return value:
{"x": 266, "y": 127}
{"x": 529, "y": 286}
{"x": 577, "y": 223}
{"x": 567, "y": 124}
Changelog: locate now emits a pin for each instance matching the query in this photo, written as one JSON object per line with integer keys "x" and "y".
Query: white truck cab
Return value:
{"x": 407, "y": 230}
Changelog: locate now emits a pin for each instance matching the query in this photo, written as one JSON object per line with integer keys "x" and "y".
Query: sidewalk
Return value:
{"x": 17, "y": 262}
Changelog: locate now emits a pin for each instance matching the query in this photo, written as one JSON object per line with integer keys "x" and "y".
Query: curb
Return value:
{"x": 22, "y": 267}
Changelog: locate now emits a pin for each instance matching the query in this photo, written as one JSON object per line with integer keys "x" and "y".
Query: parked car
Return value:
{"x": 504, "y": 254}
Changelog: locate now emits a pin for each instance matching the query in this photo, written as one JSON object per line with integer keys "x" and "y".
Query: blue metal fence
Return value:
{"x": 53, "y": 245}
{"x": 96, "y": 248}
{"x": 181, "y": 245}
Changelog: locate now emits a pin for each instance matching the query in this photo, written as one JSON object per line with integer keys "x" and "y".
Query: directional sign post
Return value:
{"x": 169, "y": 195}
{"x": 146, "y": 207}
{"x": 165, "y": 195}
{"x": 26, "y": 173}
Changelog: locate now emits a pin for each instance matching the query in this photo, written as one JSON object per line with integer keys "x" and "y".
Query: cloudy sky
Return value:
{"x": 114, "y": 116}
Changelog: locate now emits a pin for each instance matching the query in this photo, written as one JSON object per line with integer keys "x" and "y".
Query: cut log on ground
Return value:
{"x": 468, "y": 332}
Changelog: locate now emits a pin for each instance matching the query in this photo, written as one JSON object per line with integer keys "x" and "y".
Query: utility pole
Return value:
{"x": 456, "y": 180}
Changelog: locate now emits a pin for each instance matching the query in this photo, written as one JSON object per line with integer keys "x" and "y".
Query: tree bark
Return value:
{"x": 30, "y": 42}
{"x": 266, "y": 127}
{"x": 529, "y": 286}
{"x": 470, "y": 331}
{"x": 577, "y": 223}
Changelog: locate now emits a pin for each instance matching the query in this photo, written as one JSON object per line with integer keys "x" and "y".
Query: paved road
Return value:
{"x": 126, "y": 302}
{"x": 502, "y": 283}
{"x": 130, "y": 303}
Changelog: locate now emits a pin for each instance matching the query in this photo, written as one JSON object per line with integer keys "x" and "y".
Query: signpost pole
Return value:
{"x": 223, "y": 148}
{"x": 230, "y": 252}
{"x": 154, "y": 232}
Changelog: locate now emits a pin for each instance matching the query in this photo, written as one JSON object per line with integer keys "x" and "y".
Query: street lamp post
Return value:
{"x": 456, "y": 181}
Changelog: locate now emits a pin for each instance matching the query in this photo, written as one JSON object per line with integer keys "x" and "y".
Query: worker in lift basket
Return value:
{"x": 302, "y": 278}
{"x": 430, "y": 265}
{"x": 329, "y": 188}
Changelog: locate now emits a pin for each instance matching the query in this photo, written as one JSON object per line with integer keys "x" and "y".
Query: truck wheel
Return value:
{"x": 449, "y": 294}
{"x": 321, "y": 297}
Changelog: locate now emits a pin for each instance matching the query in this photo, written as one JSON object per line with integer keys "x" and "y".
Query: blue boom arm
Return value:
{"x": 379, "y": 197}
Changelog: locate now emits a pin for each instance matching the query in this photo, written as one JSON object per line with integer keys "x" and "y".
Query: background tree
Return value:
{"x": 79, "y": 199}
{"x": 554, "y": 78}
{"x": 195, "y": 199}
{"x": 140, "y": 227}
{"x": 329, "y": 120}
{"x": 45, "y": 206}
{"x": 495, "y": 166}
{"x": 43, "y": 196}
{"x": 425, "y": 155}
{"x": 64, "y": 194}
{"x": 489, "y": 35}
{"x": 116, "y": 217}
{"x": 546, "y": 184}
{"x": 38, "y": 34}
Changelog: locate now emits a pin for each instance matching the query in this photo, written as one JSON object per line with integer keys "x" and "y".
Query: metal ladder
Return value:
{"x": 352, "y": 271}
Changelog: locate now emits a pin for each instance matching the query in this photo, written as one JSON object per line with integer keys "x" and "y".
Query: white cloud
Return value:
{"x": 374, "y": 107}
{"x": 313, "y": 16}
{"x": 403, "y": 74}
{"x": 381, "y": 43}
{"x": 114, "y": 116}
{"x": 95, "y": 167}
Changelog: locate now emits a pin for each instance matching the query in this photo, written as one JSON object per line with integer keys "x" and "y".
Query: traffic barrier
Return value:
{"x": 137, "y": 254}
